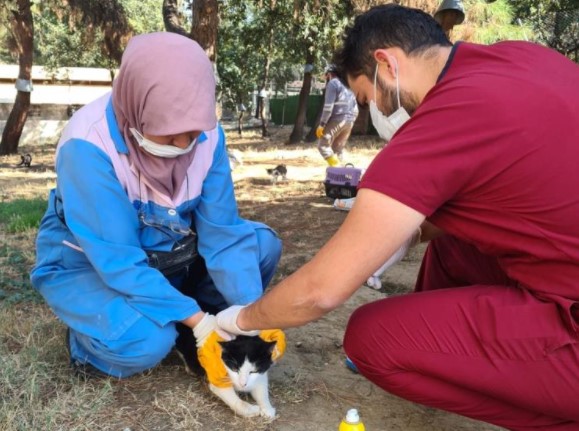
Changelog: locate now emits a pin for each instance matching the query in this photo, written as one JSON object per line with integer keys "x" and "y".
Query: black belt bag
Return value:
{"x": 183, "y": 255}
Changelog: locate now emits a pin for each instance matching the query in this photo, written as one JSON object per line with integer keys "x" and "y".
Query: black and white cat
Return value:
{"x": 247, "y": 361}
{"x": 278, "y": 171}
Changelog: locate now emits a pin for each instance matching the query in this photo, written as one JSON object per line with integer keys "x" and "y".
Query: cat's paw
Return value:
{"x": 247, "y": 410}
{"x": 240, "y": 407}
{"x": 268, "y": 412}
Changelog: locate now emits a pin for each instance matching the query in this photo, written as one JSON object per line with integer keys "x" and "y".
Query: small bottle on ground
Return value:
{"x": 352, "y": 422}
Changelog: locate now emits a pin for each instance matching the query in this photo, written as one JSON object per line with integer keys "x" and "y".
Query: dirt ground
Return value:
{"x": 311, "y": 387}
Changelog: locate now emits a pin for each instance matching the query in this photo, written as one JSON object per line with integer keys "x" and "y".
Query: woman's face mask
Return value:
{"x": 166, "y": 151}
{"x": 385, "y": 125}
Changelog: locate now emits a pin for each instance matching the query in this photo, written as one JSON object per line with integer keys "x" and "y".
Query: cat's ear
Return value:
{"x": 271, "y": 345}
{"x": 224, "y": 348}
{"x": 278, "y": 337}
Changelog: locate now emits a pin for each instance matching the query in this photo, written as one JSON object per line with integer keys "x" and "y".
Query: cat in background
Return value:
{"x": 25, "y": 160}
{"x": 278, "y": 171}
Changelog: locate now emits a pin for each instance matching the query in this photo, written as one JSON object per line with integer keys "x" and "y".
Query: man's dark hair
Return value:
{"x": 412, "y": 30}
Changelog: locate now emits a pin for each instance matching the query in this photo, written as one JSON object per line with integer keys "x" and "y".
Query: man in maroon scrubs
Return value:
{"x": 484, "y": 162}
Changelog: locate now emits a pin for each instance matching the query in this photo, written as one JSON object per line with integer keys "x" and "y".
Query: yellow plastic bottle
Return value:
{"x": 352, "y": 422}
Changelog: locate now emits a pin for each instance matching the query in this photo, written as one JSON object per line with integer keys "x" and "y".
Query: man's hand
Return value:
{"x": 227, "y": 320}
{"x": 319, "y": 132}
{"x": 208, "y": 335}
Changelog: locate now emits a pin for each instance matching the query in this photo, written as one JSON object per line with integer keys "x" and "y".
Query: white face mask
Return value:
{"x": 385, "y": 125}
{"x": 166, "y": 151}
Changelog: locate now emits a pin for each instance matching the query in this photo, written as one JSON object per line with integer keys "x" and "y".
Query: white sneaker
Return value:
{"x": 374, "y": 282}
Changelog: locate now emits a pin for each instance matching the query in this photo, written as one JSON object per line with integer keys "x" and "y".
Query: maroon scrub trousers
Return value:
{"x": 472, "y": 342}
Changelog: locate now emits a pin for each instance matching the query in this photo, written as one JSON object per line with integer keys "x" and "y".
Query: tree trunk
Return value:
{"x": 23, "y": 32}
{"x": 264, "y": 130}
{"x": 298, "y": 130}
{"x": 205, "y": 21}
{"x": 311, "y": 136}
{"x": 261, "y": 105}
{"x": 240, "y": 123}
{"x": 266, "y": 68}
{"x": 257, "y": 106}
{"x": 204, "y": 26}
{"x": 171, "y": 17}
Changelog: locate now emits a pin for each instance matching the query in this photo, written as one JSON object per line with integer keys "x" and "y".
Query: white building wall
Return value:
{"x": 59, "y": 90}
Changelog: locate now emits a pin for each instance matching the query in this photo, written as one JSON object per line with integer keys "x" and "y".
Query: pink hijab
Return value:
{"x": 165, "y": 87}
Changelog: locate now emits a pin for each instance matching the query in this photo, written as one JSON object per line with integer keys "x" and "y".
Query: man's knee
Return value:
{"x": 356, "y": 335}
{"x": 325, "y": 147}
{"x": 365, "y": 339}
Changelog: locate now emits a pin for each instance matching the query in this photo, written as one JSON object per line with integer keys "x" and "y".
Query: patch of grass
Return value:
{"x": 17, "y": 256}
{"x": 38, "y": 390}
{"x": 22, "y": 214}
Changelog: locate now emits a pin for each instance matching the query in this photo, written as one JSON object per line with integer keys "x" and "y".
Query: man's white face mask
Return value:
{"x": 385, "y": 125}
{"x": 166, "y": 151}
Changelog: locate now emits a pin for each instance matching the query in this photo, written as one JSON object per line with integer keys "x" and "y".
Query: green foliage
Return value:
{"x": 145, "y": 16}
{"x": 7, "y": 54}
{"x": 555, "y": 23}
{"x": 79, "y": 34}
{"x": 22, "y": 214}
{"x": 238, "y": 61}
{"x": 64, "y": 37}
{"x": 59, "y": 45}
{"x": 493, "y": 22}
{"x": 249, "y": 36}
{"x": 318, "y": 28}
{"x": 282, "y": 34}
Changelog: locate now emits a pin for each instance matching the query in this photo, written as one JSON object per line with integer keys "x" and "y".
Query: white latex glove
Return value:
{"x": 205, "y": 327}
{"x": 374, "y": 280}
{"x": 227, "y": 320}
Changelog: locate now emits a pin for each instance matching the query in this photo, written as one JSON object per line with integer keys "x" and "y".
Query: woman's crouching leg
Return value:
{"x": 139, "y": 348}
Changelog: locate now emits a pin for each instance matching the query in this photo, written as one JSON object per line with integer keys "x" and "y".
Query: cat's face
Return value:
{"x": 245, "y": 377}
{"x": 246, "y": 360}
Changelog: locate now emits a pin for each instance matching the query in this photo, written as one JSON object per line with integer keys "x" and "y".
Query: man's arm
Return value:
{"x": 329, "y": 100}
{"x": 374, "y": 229}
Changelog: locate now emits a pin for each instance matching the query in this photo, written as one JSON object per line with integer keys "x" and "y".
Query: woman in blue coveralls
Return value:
{"x": 142, "y": 236}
